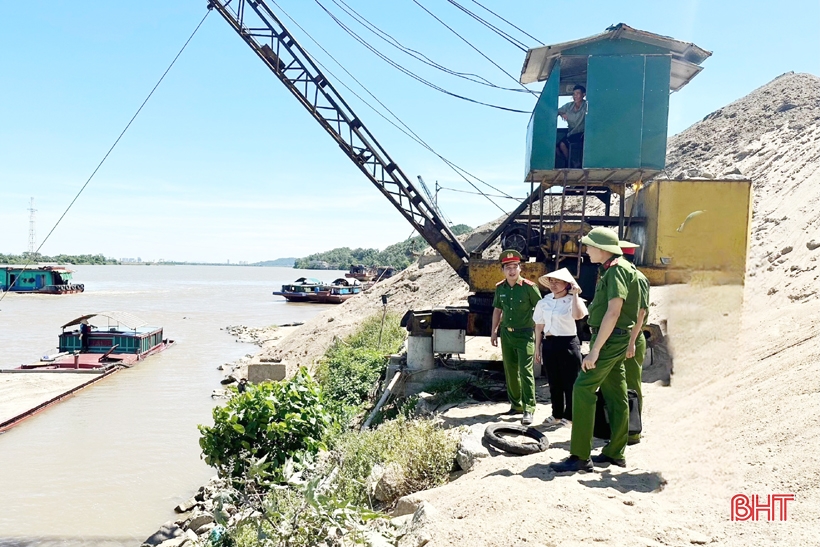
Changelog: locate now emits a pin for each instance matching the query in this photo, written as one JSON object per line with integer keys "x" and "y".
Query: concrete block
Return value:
{"x": 261, "y": 372}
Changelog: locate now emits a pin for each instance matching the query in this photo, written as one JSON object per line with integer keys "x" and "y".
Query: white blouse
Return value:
{"x": 556, "y": 315}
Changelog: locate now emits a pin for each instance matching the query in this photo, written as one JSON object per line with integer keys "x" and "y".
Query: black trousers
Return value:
{"x": 561, "y": 356}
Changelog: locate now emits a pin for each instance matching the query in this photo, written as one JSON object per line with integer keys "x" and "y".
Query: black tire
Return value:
{"x": 491, "y": 435}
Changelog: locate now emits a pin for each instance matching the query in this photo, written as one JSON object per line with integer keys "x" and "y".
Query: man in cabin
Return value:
{"x": 575, "y": 114}
{"x": 85, "y": 330}
{"x": 612, "y": 315}
{"x": 514, "y": 301}
{"x": 636, "y": 351}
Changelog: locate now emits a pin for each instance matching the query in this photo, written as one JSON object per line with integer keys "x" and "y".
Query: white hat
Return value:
{"x": 562, "y": 274}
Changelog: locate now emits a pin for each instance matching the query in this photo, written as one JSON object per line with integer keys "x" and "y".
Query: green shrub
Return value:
{"x": 351, "y": 367}
{"x": 423, "y": 449}
{"x": 259, "y": 430}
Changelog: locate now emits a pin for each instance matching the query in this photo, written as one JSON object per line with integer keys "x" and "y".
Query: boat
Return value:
{"x": 41, "y": 279}
{"x": 337, "y": 292}
{"x": 370, "y": 273}
{"x": 300, "y": 290}
{"x": 114, "y": 341}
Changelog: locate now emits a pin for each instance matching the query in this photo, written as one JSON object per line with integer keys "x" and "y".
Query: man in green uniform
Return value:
{"x": 514, "y": 301}
{"x": 636, "y": 351}
{"x": 611, "y": 321}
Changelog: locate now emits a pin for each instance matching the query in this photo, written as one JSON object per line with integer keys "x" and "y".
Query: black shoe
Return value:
{"x": 603, "y": 459}
{"x": 571, "y": 465}
{"x": 527, "y": 418}
{"x": 512, "y": 412}
{"x": 636, "y": 440}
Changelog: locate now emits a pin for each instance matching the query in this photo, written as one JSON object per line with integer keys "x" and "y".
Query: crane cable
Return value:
{"x": 514, "y": 41}
{"x": 28, "y": 262}
{"x": 451, "y": 29}
{"x": 413, "y": 75}
{"x": 406, "y": 129}
{"x": 385, "y": 36}
{"x": 511, "y": 24}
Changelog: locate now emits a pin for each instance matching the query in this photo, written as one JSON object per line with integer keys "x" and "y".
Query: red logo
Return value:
{"x": 772, "y": 507}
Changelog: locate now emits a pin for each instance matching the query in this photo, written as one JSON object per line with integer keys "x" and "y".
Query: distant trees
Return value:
{"x": 398, "y": 255}
{"x": 60, "y": 259}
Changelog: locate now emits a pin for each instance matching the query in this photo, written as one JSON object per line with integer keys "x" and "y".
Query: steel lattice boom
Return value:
{"x": 273, "y": 43}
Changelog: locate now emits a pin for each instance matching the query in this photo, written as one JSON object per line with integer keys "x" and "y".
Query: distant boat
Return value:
{"x": 38, "y": 280}
{"x": 337, "y": 292}
{"x": 370, "y": 273}
{"x": 300, "y": 290}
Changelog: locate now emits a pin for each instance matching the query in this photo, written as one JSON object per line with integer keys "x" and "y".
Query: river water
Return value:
{"x": 107, "y": 466}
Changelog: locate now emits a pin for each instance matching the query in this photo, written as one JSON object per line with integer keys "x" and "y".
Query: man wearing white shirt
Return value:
{"x": 556, "y": 340}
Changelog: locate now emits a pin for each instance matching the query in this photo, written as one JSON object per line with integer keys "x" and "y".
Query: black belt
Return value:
{"x": 614, "y": 331}
{"x": 522, "y": 329}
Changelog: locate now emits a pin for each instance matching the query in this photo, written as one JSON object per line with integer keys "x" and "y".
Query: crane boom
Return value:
{"x": 267, "y": 36}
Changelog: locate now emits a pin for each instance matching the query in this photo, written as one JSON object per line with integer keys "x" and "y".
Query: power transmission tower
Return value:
{"x": 31, "y": 232}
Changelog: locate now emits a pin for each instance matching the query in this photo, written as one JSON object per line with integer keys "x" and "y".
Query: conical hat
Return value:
{"x": 562, "y": 274}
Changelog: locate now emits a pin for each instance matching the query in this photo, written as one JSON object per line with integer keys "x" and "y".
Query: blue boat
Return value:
{"x": 301, "y": 290}
{"x": 38, "y": 280}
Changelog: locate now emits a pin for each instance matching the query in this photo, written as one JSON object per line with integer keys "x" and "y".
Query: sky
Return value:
{"x": 223, "y": 164}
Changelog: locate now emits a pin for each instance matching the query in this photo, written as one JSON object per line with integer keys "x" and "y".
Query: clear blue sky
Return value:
{"x": 223, "y": 163}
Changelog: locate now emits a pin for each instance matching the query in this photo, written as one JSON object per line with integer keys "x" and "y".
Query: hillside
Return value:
{"x": 741, "y": 414}
{"x": 399, "y": 255}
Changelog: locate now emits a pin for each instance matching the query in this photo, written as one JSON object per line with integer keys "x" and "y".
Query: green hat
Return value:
{"x": 604, "y": 239}
{"x": 509, "y": 256}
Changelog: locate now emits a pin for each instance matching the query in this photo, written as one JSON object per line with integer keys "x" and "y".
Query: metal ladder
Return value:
{"x": 578, "y": 255}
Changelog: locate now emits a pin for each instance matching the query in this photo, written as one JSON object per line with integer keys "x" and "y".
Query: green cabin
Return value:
{"x": 628, "y": 75}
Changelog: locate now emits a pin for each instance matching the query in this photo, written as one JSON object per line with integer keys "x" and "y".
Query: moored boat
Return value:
{"x": 301, "y": 290}
{"x": 337, "y": 292}
{"x": 100, "y": 345}
{"x": 41, "y": 279}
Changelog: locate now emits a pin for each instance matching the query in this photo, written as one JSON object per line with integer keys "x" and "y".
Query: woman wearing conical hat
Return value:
{"x": 556, "y": 340}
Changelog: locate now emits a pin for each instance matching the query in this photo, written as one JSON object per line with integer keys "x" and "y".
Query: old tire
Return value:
{"x": 493, "y": 437}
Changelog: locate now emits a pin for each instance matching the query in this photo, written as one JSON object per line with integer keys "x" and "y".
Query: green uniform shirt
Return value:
{"x": 516, "y": 303}
{"x": 617, "y": 280}
{"x": 643, "y": 285}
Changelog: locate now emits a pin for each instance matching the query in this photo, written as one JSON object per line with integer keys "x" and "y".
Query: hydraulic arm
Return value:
{"x": 259, "y": 27}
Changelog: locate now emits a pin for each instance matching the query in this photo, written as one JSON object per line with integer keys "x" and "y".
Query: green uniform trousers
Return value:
{"x": 517, "y": 350}
{"x": 610, "y": 376}
{"x": 634, "y": 369}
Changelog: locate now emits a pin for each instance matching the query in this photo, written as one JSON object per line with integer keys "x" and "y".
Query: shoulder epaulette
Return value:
{"x": 527, "y": 281}
{"x": 499, "y": 283}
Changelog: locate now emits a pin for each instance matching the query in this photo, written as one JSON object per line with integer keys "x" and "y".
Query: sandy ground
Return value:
{"x": 23, "y": 391}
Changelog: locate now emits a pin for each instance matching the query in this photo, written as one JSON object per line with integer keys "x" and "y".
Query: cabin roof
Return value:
{"x": 686, "y": 56}
{"x": 122, "y": 318}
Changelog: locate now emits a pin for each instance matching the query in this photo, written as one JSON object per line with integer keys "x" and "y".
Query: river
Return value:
{"x": 107, "y": 466}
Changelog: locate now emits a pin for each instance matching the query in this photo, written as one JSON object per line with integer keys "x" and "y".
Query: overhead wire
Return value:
{"x": 408, "y": 72}
{"x": 404, "y": 128}
{"x": 514, "y": 41}
{"x": 463, "y": 39}
{"x": 111, "y": 149}
{"x": 385, "y": 36}
{"x": 468, "y": 192}
{"x": 509, "y": 23}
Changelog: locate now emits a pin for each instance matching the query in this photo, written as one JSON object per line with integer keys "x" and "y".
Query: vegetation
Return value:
{"x": 399, "y": 255}
{"x": 420, "y": 448}
{"x": 270, "y": 441}
{"x": 267, "y": 425}
{"x": 95, "y": 260}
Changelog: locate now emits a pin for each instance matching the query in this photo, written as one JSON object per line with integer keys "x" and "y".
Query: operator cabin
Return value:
{"x": 619, "y": 82}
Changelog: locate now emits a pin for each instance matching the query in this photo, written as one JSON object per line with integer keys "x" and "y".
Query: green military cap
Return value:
{"x": 604, "y": 239}
{"x": 509, "y": 256}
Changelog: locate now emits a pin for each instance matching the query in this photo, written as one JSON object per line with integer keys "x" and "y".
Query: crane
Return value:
{"x": 264, "y": 32}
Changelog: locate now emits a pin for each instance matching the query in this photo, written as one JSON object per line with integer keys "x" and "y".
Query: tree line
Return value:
{"x": 399, "y": 255}
{"x": 60, "y": 259}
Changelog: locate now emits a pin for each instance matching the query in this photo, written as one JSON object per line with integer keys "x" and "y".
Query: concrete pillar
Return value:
{"x": 420, "y": 353}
